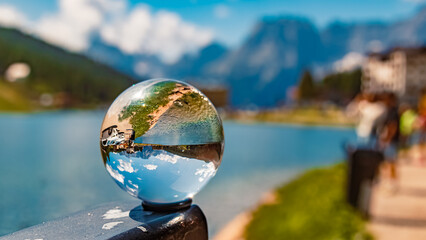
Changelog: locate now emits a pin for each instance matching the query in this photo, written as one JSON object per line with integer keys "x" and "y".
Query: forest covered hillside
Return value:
{"x": 64, "y": 79}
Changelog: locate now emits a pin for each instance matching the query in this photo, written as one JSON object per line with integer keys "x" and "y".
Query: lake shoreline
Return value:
{"x": 300, "y": 115}
{"x": 246, "y": 224}
{"x": 291, "y": 124}
{"x": 230, "y": 120}
{"x": 234, "y": 229}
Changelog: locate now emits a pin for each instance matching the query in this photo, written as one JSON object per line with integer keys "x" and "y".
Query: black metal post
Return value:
{"x": 122, "y": 221}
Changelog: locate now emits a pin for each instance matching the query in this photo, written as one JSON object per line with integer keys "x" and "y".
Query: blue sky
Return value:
{"x": 227, "y": 21}
{"x": 232, "y": 27}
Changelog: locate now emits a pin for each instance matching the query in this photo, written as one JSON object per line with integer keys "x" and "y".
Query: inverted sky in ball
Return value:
{"x": 162, "y": 141}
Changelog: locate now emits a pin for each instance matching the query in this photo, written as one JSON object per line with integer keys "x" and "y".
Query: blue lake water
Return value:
{"x": 50, "y": 166}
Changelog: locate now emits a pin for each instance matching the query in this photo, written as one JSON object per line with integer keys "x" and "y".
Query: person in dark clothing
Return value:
{"x": 389, "y": 135}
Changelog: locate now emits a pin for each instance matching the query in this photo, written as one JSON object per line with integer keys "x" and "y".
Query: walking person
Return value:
{"x": 389, "y": 136}
{"x": 407, "y": 125}
{"x": 370, "y": 112}
{"x": 422, "y": 116}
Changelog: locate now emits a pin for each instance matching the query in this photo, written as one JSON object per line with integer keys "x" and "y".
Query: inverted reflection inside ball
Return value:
{"x": 162, "y": 141}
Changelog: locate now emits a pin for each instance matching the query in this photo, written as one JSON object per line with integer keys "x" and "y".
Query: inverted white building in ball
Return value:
{"x": 162, "y": 141}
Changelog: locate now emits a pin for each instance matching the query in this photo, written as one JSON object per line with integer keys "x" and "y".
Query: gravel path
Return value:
{"x": 401, "y": 213}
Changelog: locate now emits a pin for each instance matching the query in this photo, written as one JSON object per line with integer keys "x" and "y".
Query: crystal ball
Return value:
{"x": 162, "y": 141}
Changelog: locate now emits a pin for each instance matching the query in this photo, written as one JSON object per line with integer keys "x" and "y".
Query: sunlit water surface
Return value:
{"x": 50, "y": 166}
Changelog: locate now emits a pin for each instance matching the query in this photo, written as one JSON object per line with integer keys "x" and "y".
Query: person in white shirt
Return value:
{"x": 370, "y": 113}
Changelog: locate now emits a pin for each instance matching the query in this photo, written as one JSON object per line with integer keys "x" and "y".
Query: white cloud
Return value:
{"x": 168, "y": 158}
{"x": 111, "y": 6}
{"x": 72, "y": 26}
{"x": 150, "y": 166}
{"x": 221, "y": 11}
{"x": 135, "y": 31}
{"x": 125, "y": 166}
{"x": 163, "y": 34}
{"x": 115, "y": 174}
{"x": 11, "y": 17}
{"x": 208, "y": 171}
{"x": 128, "y": 32}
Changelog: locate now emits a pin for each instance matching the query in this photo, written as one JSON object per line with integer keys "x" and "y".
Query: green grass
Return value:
{"x": 13, "y": 98}
{"x": 310, "y": 207}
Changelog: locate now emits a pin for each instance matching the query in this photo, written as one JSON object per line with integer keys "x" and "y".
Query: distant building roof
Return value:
{"x": 409, "y": 51}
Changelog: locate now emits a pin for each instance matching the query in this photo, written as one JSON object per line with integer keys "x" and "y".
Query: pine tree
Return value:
{"x": 306, "y": 87}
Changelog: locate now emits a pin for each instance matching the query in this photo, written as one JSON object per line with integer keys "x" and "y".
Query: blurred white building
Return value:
{"x": 17, "y": 71}
{"x": 402, "y": 71}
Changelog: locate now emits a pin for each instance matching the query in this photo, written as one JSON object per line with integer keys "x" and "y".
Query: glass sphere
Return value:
{"x": 162, "y": 141}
